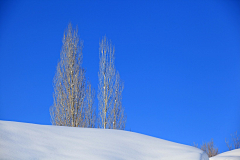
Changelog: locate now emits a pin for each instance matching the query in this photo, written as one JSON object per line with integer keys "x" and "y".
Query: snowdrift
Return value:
{"x": 31, "y": 141}
{"x": 230, "y": 155}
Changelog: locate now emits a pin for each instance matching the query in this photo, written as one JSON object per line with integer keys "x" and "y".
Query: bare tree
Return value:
{"x": 235, "y": 141}
{"x": 70, "y": 107}
{"x": 209, "y": 148}
{"x": 105, "y": 76}
{"x": 111, "y": 111}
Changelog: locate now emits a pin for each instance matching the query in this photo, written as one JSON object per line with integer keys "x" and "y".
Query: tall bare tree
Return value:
{"x": 70, "y": 88}
{"x": 111, "y": 111}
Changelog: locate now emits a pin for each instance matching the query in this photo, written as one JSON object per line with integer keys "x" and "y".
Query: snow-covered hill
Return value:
{"x": 230, "y": 155}
{"x": 31, "y": 141}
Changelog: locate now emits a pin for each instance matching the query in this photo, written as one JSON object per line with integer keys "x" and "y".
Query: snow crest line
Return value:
{"x": 24, "y": 141}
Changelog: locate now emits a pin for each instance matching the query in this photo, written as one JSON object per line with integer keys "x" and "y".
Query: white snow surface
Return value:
{"x": 230, "y": 155}
{"x": 24, "y": 141}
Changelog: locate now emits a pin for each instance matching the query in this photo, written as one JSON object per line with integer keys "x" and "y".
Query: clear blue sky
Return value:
{"x": 179, "y": 60}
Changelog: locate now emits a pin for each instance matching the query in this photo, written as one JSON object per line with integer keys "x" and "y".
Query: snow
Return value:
{"x": 230, "y": 155}
{"x": 31, "y": 141}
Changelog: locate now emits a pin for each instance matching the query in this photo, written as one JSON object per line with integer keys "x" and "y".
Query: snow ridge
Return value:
{"x": 230, "y": 155}
{"x": 31, "y": 141}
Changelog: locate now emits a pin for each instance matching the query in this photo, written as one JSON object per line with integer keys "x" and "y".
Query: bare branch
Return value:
{"x": 235, "y": 142}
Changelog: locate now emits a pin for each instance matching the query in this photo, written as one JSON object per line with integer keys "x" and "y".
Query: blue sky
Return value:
{"x": 180, "y": 62}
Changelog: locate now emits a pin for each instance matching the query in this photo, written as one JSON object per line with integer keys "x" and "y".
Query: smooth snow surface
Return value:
{"x": 30, "y": 141}
{"x": 230, "y": 155}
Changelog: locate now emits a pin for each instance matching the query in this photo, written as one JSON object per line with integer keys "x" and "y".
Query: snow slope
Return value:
{"x": 31, "y": 141}
{"x": 230, "y": 155}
